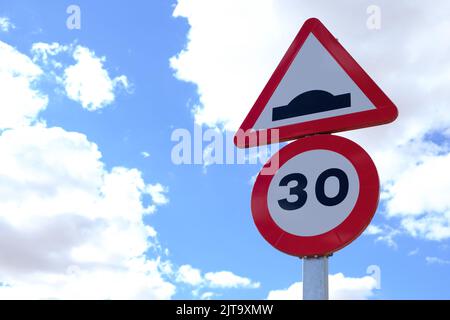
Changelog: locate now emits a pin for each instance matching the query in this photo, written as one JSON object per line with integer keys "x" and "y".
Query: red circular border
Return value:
{"x": 337, "y": 238}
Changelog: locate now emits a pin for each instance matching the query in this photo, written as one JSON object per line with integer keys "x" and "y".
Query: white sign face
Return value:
{"x": 313, "y": 192}
{"x": 314, "y": 87}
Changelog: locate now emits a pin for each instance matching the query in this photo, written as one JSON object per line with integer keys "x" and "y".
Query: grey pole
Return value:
{"x": 315, "y": 278}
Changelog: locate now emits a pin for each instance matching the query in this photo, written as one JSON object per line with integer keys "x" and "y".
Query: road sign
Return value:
{"x": 321, "y": 198}
{"x": 317, "y": 88}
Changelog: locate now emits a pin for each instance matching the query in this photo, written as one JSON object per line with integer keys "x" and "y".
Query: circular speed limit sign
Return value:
{"x": 323, "y": 195}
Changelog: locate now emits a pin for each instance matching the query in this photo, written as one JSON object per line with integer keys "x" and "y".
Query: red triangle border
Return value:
{"x": 385, "y": 111}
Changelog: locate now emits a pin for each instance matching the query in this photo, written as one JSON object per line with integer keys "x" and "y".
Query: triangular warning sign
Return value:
{"x": 317, "y": 88}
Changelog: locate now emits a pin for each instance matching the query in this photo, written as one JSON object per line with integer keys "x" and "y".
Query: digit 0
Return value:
{"x": 343, "y": 187}
{"x": 302, "y": 196}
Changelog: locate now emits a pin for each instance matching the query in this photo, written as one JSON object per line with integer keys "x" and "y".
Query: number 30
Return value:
{"x": 302, "y": 182}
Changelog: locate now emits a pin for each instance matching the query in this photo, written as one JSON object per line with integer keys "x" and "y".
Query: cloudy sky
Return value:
{"x": 92, "y": 204}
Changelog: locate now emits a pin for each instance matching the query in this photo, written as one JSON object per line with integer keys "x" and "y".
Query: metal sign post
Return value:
{"x": 315, "y": 278}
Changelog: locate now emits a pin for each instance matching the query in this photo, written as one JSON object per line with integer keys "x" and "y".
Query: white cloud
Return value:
{"x": 432, "y": 226}
{"x": 89, "y": 83}
{"x": 157, "y": 192}
{"x": 145, "y": 154}
{"x": 293, "y": 292}
{"x": 419, "y": 197}
{"x": 140, "y": 280}
{"x": 6, "y": 24}
{"x": 207, "y": 295}
{"x": 224, "y": 61}
{"x": 384, "y": 233}
{"x": 422, "y": 188}
{"x": 69, "y": 228}
{"x": 373, "y": 230}
{"x": 60, "y": 209}
{"x": 20, "y": 104}
{"x": 189, "y": 275}
{"x": 436, "y": 260}
{"x": 41, "y": 51}
{"x": 231, "y": 62}
{"x": 413, "y": 252}
{"x": 214, "y": 280}
{"x": 340, "y": 288}
{"x": 227, "y": 279}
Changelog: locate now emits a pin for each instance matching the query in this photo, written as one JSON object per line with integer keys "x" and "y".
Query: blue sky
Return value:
{"x": 202, "y": 214}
